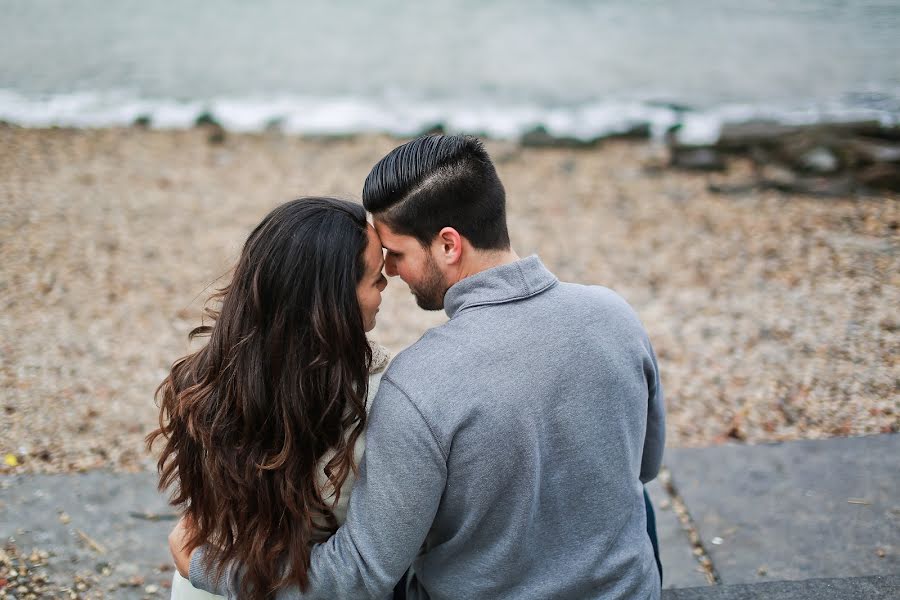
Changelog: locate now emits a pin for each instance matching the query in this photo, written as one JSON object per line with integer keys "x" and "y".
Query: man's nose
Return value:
{"x": 390, "y": 268}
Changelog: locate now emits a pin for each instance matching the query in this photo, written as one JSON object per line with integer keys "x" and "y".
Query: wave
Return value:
{"x": 401, "y": 117}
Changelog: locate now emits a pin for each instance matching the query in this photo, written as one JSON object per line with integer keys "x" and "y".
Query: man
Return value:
{"x": 507, "y": 448}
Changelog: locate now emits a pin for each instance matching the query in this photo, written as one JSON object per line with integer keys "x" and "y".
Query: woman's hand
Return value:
{"x": 177, "y": 545}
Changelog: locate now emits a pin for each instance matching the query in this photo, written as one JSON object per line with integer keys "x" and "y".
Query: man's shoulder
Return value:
{"x": 415, "y": 358}
{"x": 593, "y": 294}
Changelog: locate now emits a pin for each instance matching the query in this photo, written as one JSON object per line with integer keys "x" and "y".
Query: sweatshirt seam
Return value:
{"x": 522, "y": 277}
{"x": 421, "y": 415}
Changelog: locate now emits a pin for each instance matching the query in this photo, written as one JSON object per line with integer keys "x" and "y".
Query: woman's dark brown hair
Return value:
{"x": 282, "y": 379}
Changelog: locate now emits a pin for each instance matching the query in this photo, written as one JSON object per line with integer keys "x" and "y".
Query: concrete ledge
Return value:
{"x": 870, "y": 588}
{"x": 809, "y": 509}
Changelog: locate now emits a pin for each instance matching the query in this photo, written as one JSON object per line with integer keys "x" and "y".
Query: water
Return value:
{"x": 498, "y": 67}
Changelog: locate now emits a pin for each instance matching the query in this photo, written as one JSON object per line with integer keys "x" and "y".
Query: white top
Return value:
{"x": 380, "y": 359}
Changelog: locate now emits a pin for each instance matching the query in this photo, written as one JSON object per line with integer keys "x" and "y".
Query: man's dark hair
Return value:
{"x": 440, "y": 181}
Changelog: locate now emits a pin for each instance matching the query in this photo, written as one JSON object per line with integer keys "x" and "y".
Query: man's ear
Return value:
{"x": 449, "y": 246}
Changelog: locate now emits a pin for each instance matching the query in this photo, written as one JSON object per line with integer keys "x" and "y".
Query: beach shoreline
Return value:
{"x": 773, "y": 314}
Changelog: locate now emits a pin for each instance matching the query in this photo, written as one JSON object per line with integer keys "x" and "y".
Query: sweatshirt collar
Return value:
{"x": 518, "y": 280}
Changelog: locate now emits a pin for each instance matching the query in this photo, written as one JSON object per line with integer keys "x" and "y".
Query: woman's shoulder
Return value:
{"x": 381, "y": 356}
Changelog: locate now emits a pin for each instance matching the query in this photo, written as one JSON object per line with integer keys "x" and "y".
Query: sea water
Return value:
{"x": 495, "y": 67}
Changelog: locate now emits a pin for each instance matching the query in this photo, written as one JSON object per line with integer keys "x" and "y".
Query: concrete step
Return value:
{"x": 868, "y": 588}
{"x": 799, "y": 510}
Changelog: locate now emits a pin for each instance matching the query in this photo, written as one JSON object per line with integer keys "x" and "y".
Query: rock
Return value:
{"x": 820, "y": 160}
{"x": 740, "y": 137}
{"x": 539, "y": 137}
{"x": 803, "y": 150}
{"x": 143, "y": 121}
{"x": 216, "y": 135}
{"x": 825, "y": 187}
{"x": 743, "y": 136}
{"x": 869, "y": 150}
{"x": 888, "y": 133}
{"x": 891, "y": 133}
{"x": 274, "y": 126}
{"x": 696, "y": 159}
{"x": 636, "y": 131}
{"x": 205, "y": 119}
{"x": 676, "y": 107}
{"x": 882, "y": 176}
{"x": 848, "y": 128}
{"x": 735, "y": 189}
{"x": 215, "y": 132}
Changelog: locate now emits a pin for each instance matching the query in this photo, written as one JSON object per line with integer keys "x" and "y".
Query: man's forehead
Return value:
{"x": 390, "y": 239}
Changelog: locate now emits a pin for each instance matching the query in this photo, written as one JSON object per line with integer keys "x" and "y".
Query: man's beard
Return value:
{"x": 429, "y": 294}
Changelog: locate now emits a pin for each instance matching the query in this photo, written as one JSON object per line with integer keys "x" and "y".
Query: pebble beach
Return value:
{"x": 774, "y": 316}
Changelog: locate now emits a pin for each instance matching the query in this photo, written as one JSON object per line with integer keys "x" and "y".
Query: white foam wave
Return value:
{"x": 404, "y": 117}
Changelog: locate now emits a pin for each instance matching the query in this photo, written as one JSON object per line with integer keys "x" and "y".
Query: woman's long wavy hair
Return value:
{"x": 282, "y": 380}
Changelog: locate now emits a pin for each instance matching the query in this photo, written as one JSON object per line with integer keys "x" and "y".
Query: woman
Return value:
{"x": 263, "y": 427}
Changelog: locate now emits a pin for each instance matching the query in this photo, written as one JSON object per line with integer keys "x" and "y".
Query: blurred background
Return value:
{"x": 729, "y": 167}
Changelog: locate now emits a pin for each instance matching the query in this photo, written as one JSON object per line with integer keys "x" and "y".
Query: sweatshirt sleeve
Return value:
{"x": 203, "y": 578}
{"x": 401, "y": 480}
{"x": 655, "y": 437}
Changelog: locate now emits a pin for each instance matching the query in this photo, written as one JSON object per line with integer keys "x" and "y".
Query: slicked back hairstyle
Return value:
{"x": 440, "y": 181}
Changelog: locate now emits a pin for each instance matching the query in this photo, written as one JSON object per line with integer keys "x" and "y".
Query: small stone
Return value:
{"x": 717, "y": 541}
{"x": 762, "y": 571}
{"x": 696, "y": 159}
{"x": 151, "y": 589}
{"x": 64, "y": 518}
{"x": 820, "y": 160}
{"x": 881, "y": 552}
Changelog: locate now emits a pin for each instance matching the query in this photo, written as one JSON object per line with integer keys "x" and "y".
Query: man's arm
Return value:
{"x": 655, "y": 438}
{"x": 392, "y": 507}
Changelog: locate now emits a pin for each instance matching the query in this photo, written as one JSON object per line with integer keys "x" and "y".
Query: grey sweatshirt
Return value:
{"x": 506, "y": 451}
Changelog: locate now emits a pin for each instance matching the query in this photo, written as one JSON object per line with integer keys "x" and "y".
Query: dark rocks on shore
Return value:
{"x": 206, "y": 119}
{"x": 215, "y": 132}
{"x": 697, "y": 159}
{"x": 539, "y": 137}
{"x": 825, "y": 159}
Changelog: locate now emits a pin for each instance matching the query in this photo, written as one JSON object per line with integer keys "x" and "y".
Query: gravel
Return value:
{"x": 775, "y": 317}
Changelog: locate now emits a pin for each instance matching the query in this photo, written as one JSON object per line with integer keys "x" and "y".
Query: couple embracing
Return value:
{"x": 503, "y": 455}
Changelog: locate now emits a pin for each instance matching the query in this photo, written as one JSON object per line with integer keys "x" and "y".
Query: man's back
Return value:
{"x": 536, "y": 396}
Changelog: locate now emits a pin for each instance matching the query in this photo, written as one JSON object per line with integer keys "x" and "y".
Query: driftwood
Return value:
{"x": 834, "y": 159}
